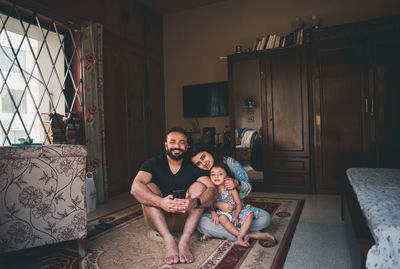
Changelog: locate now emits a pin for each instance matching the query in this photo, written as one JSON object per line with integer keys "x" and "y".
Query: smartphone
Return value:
{"x": 179, "y": 194}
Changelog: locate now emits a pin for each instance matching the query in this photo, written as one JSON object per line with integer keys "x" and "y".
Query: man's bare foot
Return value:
{"x": 203, "y": 237}
{"x": 171, "y": 251}
{"x": 241, "y": 242}
{"x": 185, "y": 256}
{"x": 261, "y": 236}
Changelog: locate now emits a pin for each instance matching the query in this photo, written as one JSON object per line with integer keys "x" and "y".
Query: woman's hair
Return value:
{"x": 225, "y": 167}
{"x": 201, "y": 147}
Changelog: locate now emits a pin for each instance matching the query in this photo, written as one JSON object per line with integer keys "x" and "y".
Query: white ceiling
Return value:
{"x": 170, "y": 6}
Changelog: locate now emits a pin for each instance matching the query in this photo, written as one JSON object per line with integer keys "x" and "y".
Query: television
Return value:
{"x": 206, "y": 100}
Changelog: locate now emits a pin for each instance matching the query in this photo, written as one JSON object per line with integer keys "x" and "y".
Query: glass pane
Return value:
{"x": 16, "y": 131}
{"x": 7, "y": 106}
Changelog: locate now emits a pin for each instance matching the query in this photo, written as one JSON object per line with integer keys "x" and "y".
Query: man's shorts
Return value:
{"x": 175, "y": 221}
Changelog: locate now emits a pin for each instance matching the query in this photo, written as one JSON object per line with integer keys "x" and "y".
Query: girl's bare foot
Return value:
{"x": 246, "y": 238}
{"x": 261, "y": 236}
{"x": 203, "y": 237}
{"x": 171, "y": 251}
{"x": 241, "y": 242}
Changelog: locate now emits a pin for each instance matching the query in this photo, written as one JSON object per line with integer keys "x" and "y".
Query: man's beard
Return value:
{"x": 176, "y": 157}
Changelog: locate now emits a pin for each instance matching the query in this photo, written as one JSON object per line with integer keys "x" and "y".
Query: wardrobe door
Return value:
{"x": 287, "y": 148}
{"x": 136, "y": 123}
{"x": 386, "y": 108}
{"x": 115, "y": 115}
{"x": 340, "y": 100}
{"x": 124, "y": 114}
{"x": 155, "y": 108}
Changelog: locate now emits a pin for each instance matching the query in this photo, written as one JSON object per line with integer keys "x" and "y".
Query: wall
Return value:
{"x": 195, "y": 39}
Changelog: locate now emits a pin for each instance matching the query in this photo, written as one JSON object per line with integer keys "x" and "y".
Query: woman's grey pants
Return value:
{"x": 207, "y": 227}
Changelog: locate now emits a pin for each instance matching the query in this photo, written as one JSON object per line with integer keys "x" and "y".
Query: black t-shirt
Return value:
{"x": 167, "y": 181}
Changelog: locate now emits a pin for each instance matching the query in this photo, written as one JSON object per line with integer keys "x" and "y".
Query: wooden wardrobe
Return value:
{"x": 328, "y": 105}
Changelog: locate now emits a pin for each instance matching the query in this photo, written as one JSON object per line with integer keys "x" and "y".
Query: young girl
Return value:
{"x": 239, "y": 220}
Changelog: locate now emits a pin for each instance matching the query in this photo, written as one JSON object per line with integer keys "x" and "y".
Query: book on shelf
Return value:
{"x": 277, "y": 39}
{"x": 256, "y": 44}
{"x": 262, "y": 42}
{"x": 271, "y": 42}
{"x": 307, "y": 36}
{"x": 282, "y": 42}
{"x": 301, "y": 36}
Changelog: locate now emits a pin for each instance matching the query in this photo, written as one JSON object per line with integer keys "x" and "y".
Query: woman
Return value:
{"x": 203, "y": 158}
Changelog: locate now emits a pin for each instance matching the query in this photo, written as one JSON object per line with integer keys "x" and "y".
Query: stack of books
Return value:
{"x": 74, "y": 129}
{"x": 271, "y": 41}
{"x": 58, "y": 128}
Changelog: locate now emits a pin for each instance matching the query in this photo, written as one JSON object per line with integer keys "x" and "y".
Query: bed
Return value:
{"x": 377, "y": 191}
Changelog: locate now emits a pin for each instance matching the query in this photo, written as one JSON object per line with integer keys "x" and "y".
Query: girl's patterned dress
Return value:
{"x": 225, "y": 196}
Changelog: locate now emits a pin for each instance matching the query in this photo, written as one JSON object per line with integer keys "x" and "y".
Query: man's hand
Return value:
{"x": 230, "y": 183}
{"x": 184, "y": 205}
{"x": 169, "y": 204}
{"x": 224, "y": 207}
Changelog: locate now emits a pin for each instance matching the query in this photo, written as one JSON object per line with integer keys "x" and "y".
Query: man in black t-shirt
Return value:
{"x": 154, "y": 184}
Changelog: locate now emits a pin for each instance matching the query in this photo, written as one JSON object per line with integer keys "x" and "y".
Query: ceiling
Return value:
{"x": 171, "y": 6}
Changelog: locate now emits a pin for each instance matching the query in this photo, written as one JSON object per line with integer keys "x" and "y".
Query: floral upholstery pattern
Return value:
{"x": 378, "y": 193}
{"x": 42, "y": 193}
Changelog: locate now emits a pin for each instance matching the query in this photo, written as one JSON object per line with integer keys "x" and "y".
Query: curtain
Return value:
{"x": 92, "y": 48}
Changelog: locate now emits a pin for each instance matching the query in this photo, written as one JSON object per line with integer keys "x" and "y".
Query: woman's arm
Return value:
{"x": 240, "y": 174}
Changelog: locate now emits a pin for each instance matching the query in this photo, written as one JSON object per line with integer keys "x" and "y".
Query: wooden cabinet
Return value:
{"x": 355, "y": 74}
{"x": 286, "y": 143}
{"x": 285, "y": 117}
{"x": 340, "y": 88}
{"x": 327, "y": 106}
{"x": 133, "y": 89}
{"x": 385, "y": 84}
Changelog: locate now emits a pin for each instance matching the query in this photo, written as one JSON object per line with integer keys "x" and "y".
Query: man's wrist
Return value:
{"x": 198, "y": 202}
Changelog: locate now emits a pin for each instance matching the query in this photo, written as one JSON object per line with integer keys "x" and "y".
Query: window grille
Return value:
{"x": 40, "y": 75}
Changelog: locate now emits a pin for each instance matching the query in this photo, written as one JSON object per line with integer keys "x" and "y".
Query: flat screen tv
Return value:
{"x": 206, "y": 100}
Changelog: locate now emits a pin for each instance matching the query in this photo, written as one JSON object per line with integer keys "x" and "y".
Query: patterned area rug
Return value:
{"x": 129, "y": 243}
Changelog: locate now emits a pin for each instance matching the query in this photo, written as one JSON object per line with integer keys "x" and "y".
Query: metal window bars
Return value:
{"x": 52, "y": 77}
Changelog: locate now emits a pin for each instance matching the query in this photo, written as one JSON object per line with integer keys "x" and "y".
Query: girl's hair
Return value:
{"x": 225, "y": 167}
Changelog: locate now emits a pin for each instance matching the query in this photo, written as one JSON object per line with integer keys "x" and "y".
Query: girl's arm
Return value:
{"x": 214, "y": 217}
{"x": 238, "y": 208}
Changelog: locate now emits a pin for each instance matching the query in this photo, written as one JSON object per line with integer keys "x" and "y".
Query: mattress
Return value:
{"x": 378, "y": 193}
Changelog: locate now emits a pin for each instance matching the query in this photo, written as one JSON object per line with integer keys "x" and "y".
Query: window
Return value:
{"x": 6, "y": 103}
{"x": 6, "y": 57}
{"x": 40, "y": 73}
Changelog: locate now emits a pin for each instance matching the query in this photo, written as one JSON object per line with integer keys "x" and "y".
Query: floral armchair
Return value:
{"x": 42, "y": 193}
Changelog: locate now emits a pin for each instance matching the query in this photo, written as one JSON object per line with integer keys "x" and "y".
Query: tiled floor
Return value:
{"x": 319, "y": 240}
